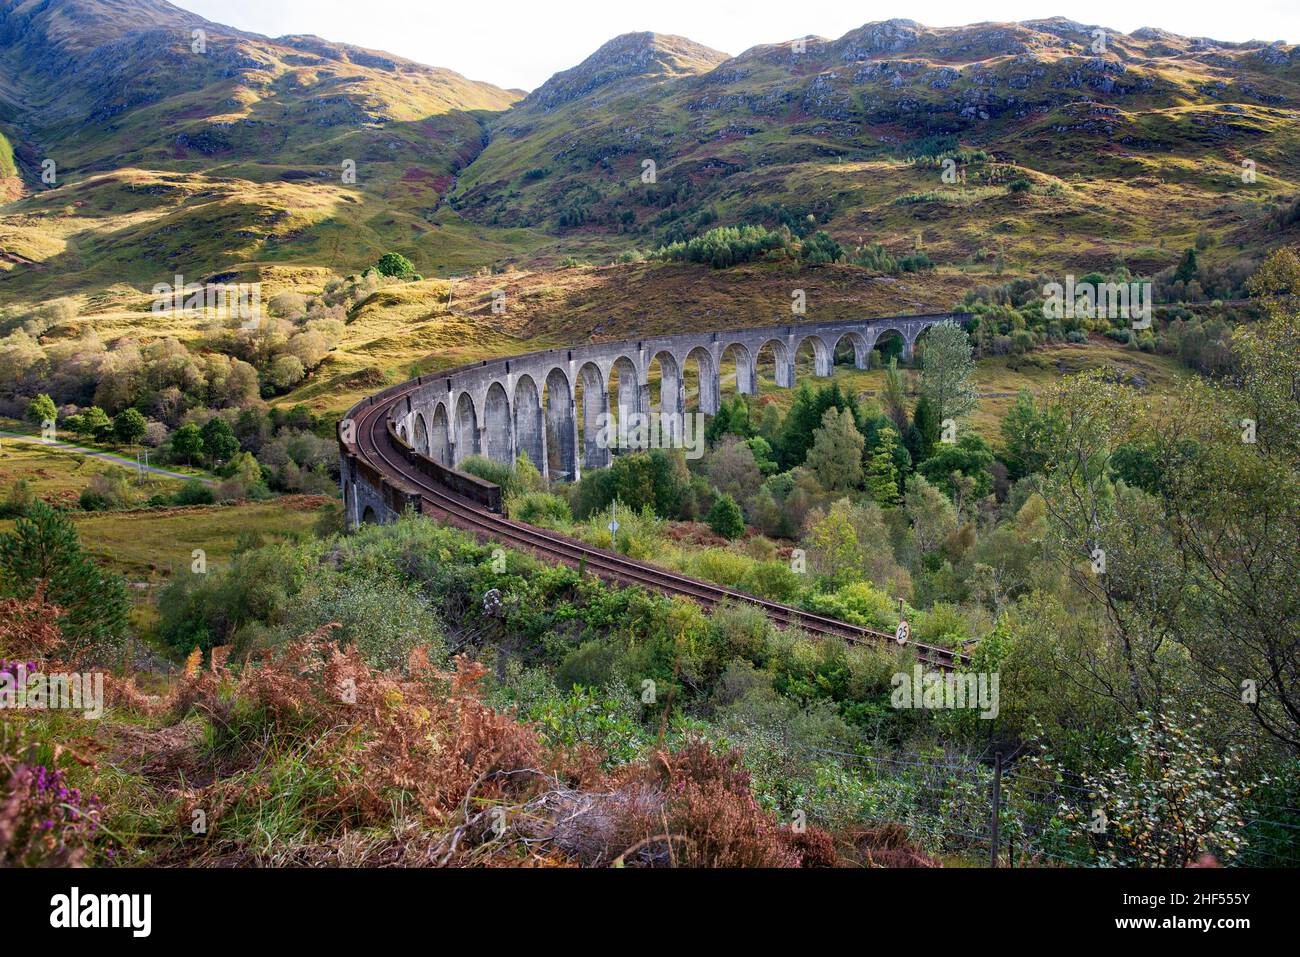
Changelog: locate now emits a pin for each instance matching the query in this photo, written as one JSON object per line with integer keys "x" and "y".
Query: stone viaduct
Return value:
{"x": 545, "y": 403}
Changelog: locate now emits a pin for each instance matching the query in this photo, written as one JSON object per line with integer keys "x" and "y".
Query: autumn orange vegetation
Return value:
{"x": 27, "y": 627}
{"x": 418, "y": 770}
{"x": 480, "y": 784}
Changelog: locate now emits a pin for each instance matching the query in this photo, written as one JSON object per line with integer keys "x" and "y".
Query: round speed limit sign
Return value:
{"x": 903, "y": 633}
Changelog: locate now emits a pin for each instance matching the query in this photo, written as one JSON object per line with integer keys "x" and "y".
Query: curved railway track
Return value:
{"x": 376, "y": 443}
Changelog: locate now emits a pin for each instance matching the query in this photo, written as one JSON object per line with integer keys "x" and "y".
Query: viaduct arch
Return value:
{"x": 547, "y": 404}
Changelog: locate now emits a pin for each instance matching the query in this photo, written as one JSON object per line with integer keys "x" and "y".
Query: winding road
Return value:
{"x": 103, "y": 457}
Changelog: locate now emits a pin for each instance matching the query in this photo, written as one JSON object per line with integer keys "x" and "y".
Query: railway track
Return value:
{"x": 377, "y": 444}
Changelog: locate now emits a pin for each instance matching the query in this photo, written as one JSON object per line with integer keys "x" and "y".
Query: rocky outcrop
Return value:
{"x": 638, "y": 57}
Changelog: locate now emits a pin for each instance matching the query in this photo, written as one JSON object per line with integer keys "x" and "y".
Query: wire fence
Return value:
{"x": 1006, "y": 813}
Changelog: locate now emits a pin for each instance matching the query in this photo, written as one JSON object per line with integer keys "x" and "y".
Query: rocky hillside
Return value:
{"x": 202, "y": 151}
{"x": 1044, "y": 144}
{"x": 1105, "y": 128}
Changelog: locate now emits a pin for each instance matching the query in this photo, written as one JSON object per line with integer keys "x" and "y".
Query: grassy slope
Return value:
{"x": 58, "y": 475}
{"x": 150, "y": 545}
{"x": 232, "y": 159}
{"x": 999, "y": 379}
{"x": 1138, "y": 166}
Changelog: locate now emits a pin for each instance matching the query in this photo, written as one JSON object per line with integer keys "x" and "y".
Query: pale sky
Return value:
{"x": 513, "y": 43}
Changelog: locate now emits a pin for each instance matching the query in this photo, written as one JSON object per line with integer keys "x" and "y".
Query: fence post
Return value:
{"x": 997, "y": 807}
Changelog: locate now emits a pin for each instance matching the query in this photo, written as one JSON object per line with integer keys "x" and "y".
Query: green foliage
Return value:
{"x": 1171, "y": 799}
{"x": 820, "y": 248}
{"x": 541, "y": 508}
{"x": 41, "y": 410}
{"x": 722, "y": 566}
{"x": 732, "y": 418}
{"x": 969, "y": 457}
{"x": 947, "y": 371}
{"x": 1135, "y": 464}
{"x": 490, "y": 470}
{"x": 656, "y": 479}
{"x": 194, "y": 492}
{"x": 128, "y": 426}
{"x": 590, "y": 665}
{"x": 209, "y": 607}
{"x": 931, "y": 515}
{"x": 761, "y": 449}
{"x": 1188, "y": 269}
{"x": 805, "y": 418}
{"x": 775, "y": 581}
{"x": 923, "y": 434}
{"x": 17, "y": 500}
{"x": 729, "y": 246}
{"x": 607, "y": 723}
{"x": 383, "y": 619}
{"x": 859, "y": 603}
{"x": 187, "y": 443}
{"x": 836, "y": 453}
{"x": 725, "y": 518}
{"x": 92, "y": 421}
{"x": 882, "y": 474}
{"x": 1024, "y": 437}
{"x": 43, "y": 550}
{"x": 395, "y": 265}
{"x": 219, "y": 442}
{"x": 833, "y": 543}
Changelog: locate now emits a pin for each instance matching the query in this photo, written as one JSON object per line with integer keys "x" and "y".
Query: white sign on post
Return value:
{"x": 904, "y": 632}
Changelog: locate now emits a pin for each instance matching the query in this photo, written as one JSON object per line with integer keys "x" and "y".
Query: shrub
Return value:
{"x": 723, "y": 567}
{"x": 541, "y": 508}
{"x": 194, "y": 492}
{"x": 395, "y": 265}
{"x": 44, "y": 820}
{"x": 739, "y": 631}
{"x": 591, "y": 665}
{"x": 943, "y": 624}
{"x": 858, "y": 603}
{"x": 820, "y": 248}
{"x": 383, "y": 620}
{"x": 772, "y": 580}
{"x": 19, "y": 499}
{"x": 608, "y": 723}
{"x": 1174, "y": 798}
{"x": 206, "y": 610}
{"x": 728, "y": 246}
{"x": 657, "y": 479}
{"x": 92, "y": 501}
{"x": 44, "y": 552}
{"x": 725, "y": 518}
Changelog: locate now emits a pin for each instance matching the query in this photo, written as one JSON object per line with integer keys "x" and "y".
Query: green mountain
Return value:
{"x": 1120, "y": 139}
{"x": 180, "y": 145}
{"x": 204, "y": 151}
